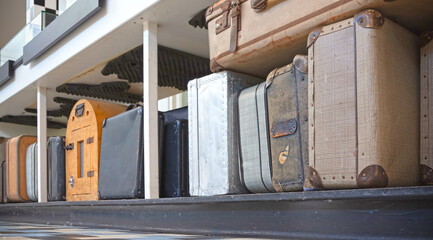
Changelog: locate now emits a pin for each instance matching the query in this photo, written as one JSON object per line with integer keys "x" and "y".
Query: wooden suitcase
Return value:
{"x": 56, "y": 169}
{"x": 363, "y": 104}
{"x": 273, "y": 130}
{"x": 32, "y": 172}
{"x": 426, "y": 167}
{"x": 16, "y": 167}
{"x": 256, "y": 36}
{"x": 3, "y": 142}
{"x": 83, "y": 144}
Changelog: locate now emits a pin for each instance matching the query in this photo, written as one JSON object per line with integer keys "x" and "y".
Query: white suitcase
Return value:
{"x": 426, "y": 167}
{"x": 213, "y": 139}
{"x": 363, "y": 100}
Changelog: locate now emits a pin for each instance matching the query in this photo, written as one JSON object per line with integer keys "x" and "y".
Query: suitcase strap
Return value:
{"x": 236, "y": 13}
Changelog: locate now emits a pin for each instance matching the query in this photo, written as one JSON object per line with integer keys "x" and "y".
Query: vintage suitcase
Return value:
{"x": 32, "y": 172}
{"x": 212, "y": 116}
{"x": 4, "y": 198}
{"x": 56, "y": 169}
{"x": 426, "y": 167}
{"x": 273, "y": 130}
{"x": 174, "y": 178}
{"x": 3, "y": 142}
{"x": 256, "y": 36}
{"x": 363, "y": 104}
{"x": 16, "y": 167}
{"x": 122, "y": 148}
{"x": 83, "y": 144}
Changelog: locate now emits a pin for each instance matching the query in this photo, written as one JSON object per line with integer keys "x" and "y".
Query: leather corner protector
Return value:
{"x": 312, "y": 181}
{"x": 301, "y": 63}
{"x": 214, "y": 66}
{"x": 209, "y": 10}
{"x": 426, "y": 37}
{"x": 373, "y": 176}
{"x": 313, "y": 36}
{"x": 369, "y": 18}
{"x": 426, "y": 175}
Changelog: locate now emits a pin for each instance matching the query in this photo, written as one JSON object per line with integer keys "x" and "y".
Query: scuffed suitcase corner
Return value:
{"x": 301, "y": 63}
{"x": 313, "y": 36}
{"x": 312, "y": 181}
{"x": 373, "y": 176}
{"x": 426, "y": 175}
{"x": 214, "y": 66}
{"x": 426, "y": 37}
{"x": 369, "y": 18}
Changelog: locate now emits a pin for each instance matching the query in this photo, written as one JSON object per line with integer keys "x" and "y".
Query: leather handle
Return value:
{"x": 259, "y": 5}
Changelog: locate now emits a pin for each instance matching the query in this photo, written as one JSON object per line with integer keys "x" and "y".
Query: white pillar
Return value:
{"x": 42, "y": 143}
{"x": 150, "y": 110}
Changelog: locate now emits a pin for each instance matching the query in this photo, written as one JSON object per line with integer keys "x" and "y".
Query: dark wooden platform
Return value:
{"x": 367, "y": 213}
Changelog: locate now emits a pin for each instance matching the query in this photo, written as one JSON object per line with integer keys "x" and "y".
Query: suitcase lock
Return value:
{"x": 79, "y": 110}
{"x": 70, "y": 146}
{"x": 71, "y": 181}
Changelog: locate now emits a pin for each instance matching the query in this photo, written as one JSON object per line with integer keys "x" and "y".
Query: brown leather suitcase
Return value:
{"x": 426, "y": 167}
{"x": 83, "y": 144}
{"x": 363, "y": 104}
{"x": 16, "y": 167}
{"x": 256, "y": 36}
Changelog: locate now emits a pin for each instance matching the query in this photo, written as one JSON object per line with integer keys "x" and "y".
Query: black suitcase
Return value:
{"x": 56, "y": 169}
{"x": 174, "y": 165}
{"x": 121, "y": 161}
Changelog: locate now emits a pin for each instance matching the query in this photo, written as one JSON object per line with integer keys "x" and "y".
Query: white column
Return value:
{"x": 42, "y": 143}
{"x": 150, "y": 110}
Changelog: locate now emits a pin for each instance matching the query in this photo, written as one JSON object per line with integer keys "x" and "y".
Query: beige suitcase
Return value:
{"x": 269, "y": 35}
{"x": 426, "y": 139}
{"x": 363, "y": 100}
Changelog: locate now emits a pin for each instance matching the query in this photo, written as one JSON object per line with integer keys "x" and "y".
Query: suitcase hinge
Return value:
{"x": 70, "y": 146}
{"x": 89, "y": 140}
{"x": 90, "y": 173}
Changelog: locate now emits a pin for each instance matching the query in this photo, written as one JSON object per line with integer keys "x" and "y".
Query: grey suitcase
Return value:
{"x": 426, "y": 167}
{"x": 121, "y": 164}
{"x": 56, "y": 169}
{"x": 273, "y": 130}
{"x": 213, "y": 143}
{"x": 3, "y": 141}
{"x": 363, "y": 100}
{"x": 32, "y": 172}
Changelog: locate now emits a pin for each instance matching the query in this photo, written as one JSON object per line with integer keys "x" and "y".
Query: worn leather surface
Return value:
{"x": 287, "y": 101}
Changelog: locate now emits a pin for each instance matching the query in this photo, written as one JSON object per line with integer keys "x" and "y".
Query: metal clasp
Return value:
{"x": 71, "y": 181}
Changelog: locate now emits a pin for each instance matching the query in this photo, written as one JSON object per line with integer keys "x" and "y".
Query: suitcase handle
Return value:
{"x": 79, "y": 110}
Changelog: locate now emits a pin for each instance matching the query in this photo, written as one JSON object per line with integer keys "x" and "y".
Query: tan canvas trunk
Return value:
{"x": 426, "y": 139}
{"x": 261, "y": 35}
{"x": 363, "y": 104}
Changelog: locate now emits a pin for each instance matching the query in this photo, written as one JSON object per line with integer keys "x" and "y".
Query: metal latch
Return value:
{"x": 70, "y": 146}
{"x": 90, "y": 173}
{"x": 79, "y": 110}
{"x": 284, "y": 128}
{"x": 89, "y": 140}
{"x": 71, "y": 181}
